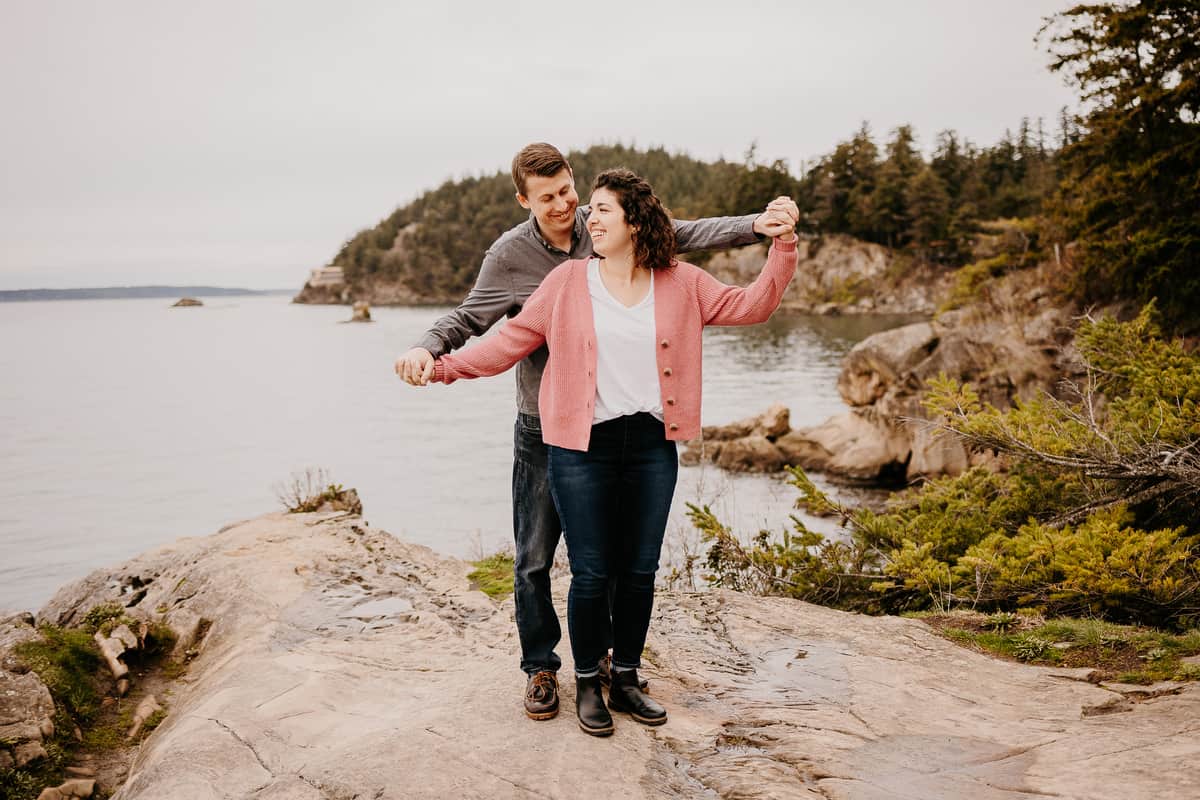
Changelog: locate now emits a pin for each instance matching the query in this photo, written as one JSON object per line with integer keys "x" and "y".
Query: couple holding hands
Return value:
{"x": 605, "y": 332}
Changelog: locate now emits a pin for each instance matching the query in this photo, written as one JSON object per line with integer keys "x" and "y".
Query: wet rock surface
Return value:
{"x": 340, "y": 662}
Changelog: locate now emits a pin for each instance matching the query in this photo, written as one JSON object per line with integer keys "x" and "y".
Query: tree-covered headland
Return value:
{"x": 930, "y": 207}
{"x": 1096, "y": 511}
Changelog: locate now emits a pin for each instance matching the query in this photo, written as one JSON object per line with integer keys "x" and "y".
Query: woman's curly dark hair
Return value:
{"x": 654, "y": 237}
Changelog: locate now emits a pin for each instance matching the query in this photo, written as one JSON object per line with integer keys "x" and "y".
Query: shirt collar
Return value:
{"x": 577, "y": 232}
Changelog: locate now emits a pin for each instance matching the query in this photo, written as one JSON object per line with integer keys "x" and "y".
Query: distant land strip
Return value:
{"x": 118, "y": 292}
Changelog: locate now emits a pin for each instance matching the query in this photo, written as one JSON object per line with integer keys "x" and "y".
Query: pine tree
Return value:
{"x": 928, "y": 205}
{"x": 889, "y": 199}
{"x": 1130, "y": 197}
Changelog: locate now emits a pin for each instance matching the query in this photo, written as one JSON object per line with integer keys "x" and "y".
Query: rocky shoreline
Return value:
{"x": 1011, "y": 346}
{"x": 331, "y": 660}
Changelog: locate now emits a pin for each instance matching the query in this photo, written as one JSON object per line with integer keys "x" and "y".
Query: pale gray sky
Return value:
{"x": 240, "y": 143}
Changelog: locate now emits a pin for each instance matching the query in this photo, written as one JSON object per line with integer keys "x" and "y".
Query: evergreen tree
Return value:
{"x": 842, "y": 183}
{"x": 1130, "y": 197}
{"x": 928, "y": 205}
{"x": 864, "y": 169}
{"x": 889, "y": 201}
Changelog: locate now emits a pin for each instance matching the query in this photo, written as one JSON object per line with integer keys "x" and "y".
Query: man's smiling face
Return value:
{"x": 552, "y": 200}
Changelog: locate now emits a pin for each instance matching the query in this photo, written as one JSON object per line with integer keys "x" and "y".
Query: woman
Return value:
{"x": 621, "y": 386}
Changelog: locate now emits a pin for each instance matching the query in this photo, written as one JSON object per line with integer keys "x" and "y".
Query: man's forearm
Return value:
{"x": 715, "y": 233}
{"x": 487, "y": 303}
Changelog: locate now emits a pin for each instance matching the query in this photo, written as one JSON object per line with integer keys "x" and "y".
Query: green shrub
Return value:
{"x": 1002, "y": 621}
{"x": 493, "y": 575}
{"x": 66, "y": 660}
{"x": 1031, "y": 648}
{"x": 1068, "y": 529}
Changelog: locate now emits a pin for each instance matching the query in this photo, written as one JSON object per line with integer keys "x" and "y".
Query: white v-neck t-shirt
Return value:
{"x": 626, "y": 361}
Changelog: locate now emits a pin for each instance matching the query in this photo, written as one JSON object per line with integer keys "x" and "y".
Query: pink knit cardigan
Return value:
{"x": 559, "y": 313}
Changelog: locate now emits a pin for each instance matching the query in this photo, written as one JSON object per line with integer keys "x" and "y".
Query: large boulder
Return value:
{"x": 877, "y": 363}
{"x": 849, "y": 446}
{"x": 26, "y": 707}
{"x": 747, "y": 445}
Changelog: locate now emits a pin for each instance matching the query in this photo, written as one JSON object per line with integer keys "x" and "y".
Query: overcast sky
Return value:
{"x": 240, "y": 143}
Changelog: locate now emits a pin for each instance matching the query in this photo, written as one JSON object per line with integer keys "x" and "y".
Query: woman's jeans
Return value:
{"x": 613, "y": 501}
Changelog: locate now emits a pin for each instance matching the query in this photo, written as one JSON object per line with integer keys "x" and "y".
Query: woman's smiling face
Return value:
{"x": 611, "y": 234}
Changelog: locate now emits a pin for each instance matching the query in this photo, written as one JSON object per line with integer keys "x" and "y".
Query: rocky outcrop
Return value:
{"x": 362, "y": 312}
{"x": 186, "y": 302}
{"x": 69, "y": 790}
{"x": 339, "y": 294}
{"x": 344, "y": 663}
{"x": 1015, "y": 345}
{"x": 1012, "y": 346}
{"x": 748, "y": 445}
{"x": 26, "y": 707}
{"x": 840, "y": 274}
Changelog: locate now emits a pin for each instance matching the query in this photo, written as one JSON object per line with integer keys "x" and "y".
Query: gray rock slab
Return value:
{"x": 339, "y": 662}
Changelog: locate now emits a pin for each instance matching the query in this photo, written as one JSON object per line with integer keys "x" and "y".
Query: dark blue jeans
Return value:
{"x": 536, "y": 531}
{"x": 614, "y": 500}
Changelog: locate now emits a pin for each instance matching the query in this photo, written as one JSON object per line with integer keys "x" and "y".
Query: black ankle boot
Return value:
{"x": 624, "y": 695}
{"x": 589, "y": 707}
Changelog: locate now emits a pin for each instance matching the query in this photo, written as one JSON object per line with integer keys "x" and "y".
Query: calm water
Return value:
{"x": 127, "y": 424}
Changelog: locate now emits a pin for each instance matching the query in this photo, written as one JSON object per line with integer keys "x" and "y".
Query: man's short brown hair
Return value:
{"x": 539, "y": 159}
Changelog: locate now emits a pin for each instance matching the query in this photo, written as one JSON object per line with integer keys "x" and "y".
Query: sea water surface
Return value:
{"x": 128, "y": 423}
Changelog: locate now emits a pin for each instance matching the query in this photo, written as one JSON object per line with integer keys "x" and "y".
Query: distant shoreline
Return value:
{"x": 130, "y": 292}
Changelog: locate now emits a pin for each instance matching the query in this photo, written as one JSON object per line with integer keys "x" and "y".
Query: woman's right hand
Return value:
{"x": 415, "y": 367}
{"x": 780, "y": 217}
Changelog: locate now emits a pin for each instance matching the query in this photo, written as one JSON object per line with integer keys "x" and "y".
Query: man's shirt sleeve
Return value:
{"x": 715, "y": 233}
{"x": 489, "y": 300}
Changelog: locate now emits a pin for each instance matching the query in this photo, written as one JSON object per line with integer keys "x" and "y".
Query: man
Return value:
{"x": 511, "y": 270}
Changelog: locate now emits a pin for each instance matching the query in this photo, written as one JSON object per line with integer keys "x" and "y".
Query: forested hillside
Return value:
{"x": 889, "y": 194}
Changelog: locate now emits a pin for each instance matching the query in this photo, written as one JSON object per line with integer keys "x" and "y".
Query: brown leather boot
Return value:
{"x": 541, "y": 695}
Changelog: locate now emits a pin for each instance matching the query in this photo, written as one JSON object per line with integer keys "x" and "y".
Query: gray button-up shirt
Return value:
{"x": 518, "y": 261}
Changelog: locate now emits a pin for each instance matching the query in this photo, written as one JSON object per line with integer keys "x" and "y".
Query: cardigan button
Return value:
{"x": 667, "y": 371}
{"x": 670, "y": 401}
{"x": 673, "y": 426}
{"x": 665, "y": 343}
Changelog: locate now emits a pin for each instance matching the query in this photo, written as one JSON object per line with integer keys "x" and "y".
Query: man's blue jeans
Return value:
{"x": 536, "y": 531}
{"x": 614, "y": 501}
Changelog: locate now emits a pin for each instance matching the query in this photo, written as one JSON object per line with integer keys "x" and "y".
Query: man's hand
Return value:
{"x": 415, "y": 367}
{"x": 779, "y": 219}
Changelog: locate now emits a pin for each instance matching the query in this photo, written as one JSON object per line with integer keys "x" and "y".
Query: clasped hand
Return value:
{"x": 779, "y": 218}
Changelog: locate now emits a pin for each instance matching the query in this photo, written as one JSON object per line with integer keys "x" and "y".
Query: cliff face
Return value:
{"x": 840, "y": 274}
{"x": 343, "y": 663}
